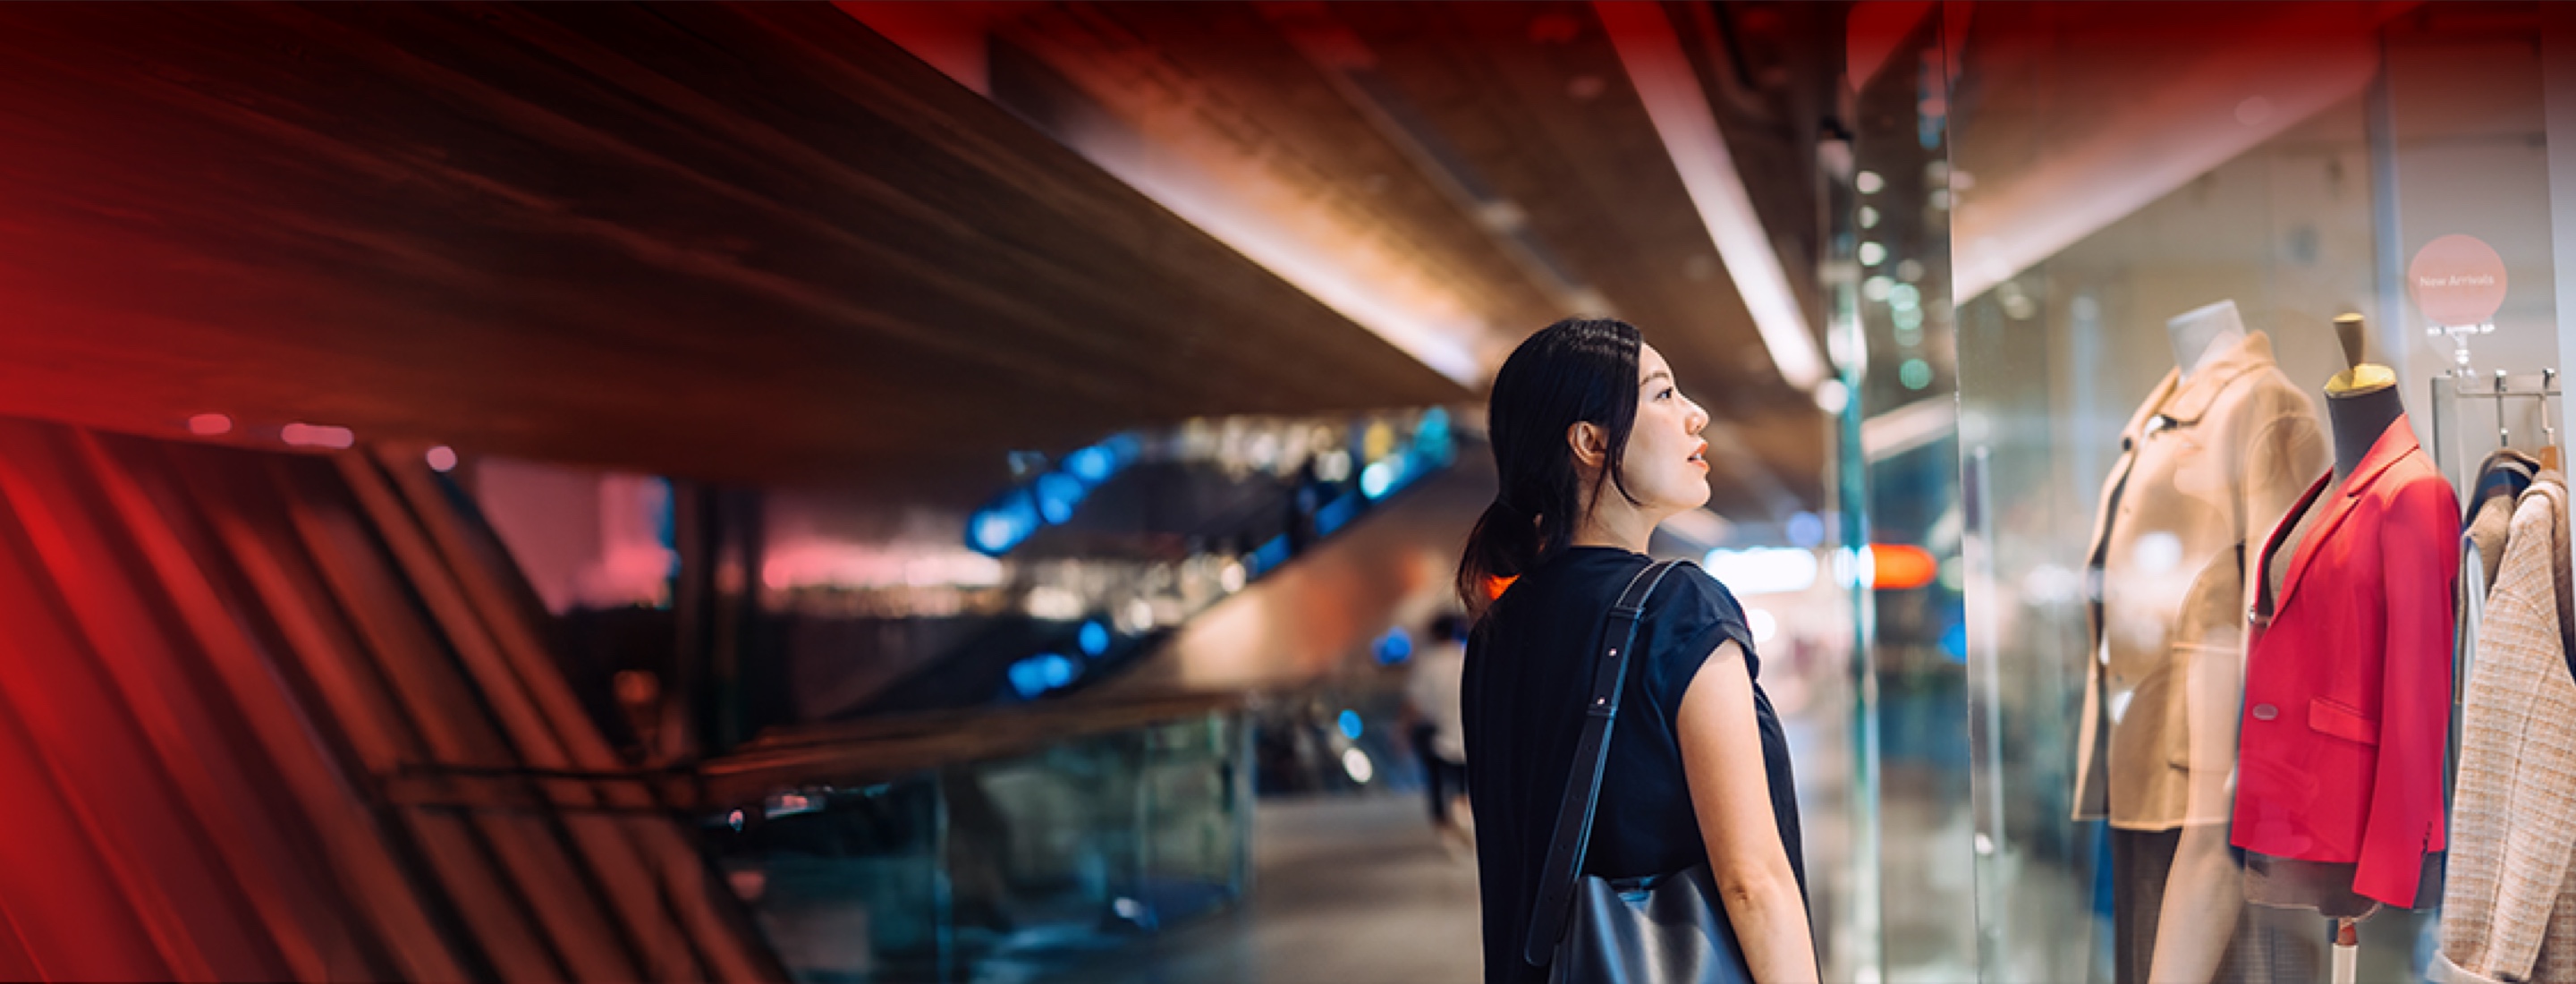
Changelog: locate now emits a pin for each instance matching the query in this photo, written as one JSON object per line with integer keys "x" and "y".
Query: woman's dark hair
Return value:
{"x": 1573, "y": 371}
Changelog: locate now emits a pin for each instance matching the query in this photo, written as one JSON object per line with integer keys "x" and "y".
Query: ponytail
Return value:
{"x": 1573, "y": 371}
{"x": 1504, "y": 544}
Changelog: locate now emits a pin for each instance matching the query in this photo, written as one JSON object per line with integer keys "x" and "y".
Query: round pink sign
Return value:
{"x": 2457, "y": 281}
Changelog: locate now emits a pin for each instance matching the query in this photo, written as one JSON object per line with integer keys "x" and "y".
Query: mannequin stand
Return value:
{"x": 2347, "y": 951}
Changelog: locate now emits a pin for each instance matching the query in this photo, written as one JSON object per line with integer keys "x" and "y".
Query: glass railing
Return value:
{"x": 999, "y": 868}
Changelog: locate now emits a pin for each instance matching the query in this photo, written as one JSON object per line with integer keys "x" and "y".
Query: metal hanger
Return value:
{"x": 2504, "y": 437}
{"x": 2549, "y": 455}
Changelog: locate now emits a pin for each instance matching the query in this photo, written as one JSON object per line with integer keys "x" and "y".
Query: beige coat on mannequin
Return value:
{"x": 2212, "y": 459}
{"x": 2206, "y": 467}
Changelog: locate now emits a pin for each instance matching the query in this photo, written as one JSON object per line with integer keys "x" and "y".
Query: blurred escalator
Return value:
{"x": 1146, "y": 543}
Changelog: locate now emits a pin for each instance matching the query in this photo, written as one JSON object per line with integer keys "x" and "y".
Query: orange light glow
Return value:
{"x": 1897, "y": 566}
{"x": 1495, "y": 586}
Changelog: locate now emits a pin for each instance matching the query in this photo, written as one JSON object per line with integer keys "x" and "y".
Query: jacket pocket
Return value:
{"x": 2328, "y": 717}
{"x": 2206, "y": 649}
{"x": 2210, "y": 681}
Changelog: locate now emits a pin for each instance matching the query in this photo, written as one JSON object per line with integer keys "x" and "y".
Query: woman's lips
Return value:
{"x": 1699, "y": 456}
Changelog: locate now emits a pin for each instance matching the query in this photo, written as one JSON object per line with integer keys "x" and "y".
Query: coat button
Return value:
{"x": 2266, "y": 712}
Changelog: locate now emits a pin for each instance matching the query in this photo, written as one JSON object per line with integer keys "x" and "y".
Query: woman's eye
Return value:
{"x": 1665, "y": 394}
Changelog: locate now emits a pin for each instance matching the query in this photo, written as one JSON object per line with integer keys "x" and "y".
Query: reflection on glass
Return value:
{"x": 2162, "y": 226}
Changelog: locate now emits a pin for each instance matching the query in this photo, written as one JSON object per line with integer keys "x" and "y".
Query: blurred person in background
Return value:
{"x": 1594, "y": 445}
{"x": 1438, "y": 732}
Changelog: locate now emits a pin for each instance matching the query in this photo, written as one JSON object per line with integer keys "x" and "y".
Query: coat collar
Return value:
{"x": 2177, "y": 401}
{"x": 2148, "y": 411}
{"x": 2394, "y": 444}
{"x": 2185, "y": 401}
{"x": 2506, "y": 473}
{"x": 2549, "y": 486}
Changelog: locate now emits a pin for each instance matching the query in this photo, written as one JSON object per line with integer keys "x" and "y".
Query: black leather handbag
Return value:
{"x": 1662, "y": 929}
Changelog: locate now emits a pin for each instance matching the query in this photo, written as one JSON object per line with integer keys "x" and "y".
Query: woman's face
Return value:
{"x": 1666, "y": 466}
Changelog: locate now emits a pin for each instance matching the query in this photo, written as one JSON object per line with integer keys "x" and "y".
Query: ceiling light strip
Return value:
{"x": 1684, "y": 120}
{"x": 1908, "y": 427}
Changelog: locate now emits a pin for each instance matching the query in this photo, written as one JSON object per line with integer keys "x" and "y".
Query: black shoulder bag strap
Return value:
{"x": 1591, "y": 759}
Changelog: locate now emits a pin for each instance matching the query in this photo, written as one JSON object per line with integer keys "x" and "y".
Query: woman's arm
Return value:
{"x": 1730, "y": 791}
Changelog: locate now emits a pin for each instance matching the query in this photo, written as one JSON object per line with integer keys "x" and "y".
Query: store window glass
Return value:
{"x": 1891, "y": 334}
{"x": 2252, "y": 307}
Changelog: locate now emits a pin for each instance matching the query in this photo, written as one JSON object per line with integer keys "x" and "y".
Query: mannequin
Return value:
{"x": 2202, "y": 895}
{"x": 2210, "y": 460}
{"x": 2198, "y": 333}
{"x": 2361, "y": 401}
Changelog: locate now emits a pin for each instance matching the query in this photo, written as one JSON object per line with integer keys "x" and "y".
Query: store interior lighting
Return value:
{"x": 1763, "y": 570}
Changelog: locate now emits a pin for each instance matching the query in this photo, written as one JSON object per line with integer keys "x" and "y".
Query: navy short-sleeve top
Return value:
{"x": 1529, "y": 671}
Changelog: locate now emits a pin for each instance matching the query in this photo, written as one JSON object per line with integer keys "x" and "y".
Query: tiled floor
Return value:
{"x": 1347, "y": 890}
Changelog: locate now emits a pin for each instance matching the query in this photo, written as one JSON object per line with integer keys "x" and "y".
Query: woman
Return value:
{"x": 1595, "y": 446}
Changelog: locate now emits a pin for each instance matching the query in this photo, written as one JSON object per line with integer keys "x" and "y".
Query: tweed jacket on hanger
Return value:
{"x": 2509, "y": 904}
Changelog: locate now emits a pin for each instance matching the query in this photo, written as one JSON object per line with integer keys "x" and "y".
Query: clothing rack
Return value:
{"x": 2502, "y": 391}
{"x": 2450, "y": 452}
{"x": 2495, "y": 469}
{"x": 2459, "y": 443}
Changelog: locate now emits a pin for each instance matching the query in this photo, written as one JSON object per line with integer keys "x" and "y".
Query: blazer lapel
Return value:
{"x": 2129, "y": 438}
{"x": 2260, "y": 604}
{"x": 2393, "y": 444}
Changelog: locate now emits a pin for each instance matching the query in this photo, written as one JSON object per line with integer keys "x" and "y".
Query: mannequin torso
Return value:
{"x": 2358, "y": 419}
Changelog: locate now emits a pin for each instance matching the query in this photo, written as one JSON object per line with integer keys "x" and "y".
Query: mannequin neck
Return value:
{"x": 2203, "y": 333}
{"x": 2358, "y": 420}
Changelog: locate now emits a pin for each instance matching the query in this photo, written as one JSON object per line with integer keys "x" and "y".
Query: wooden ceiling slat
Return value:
{"x": 1542, "y": 120}
{"x": 752, "y": 243}
{"x": 1235, "y": 73}
{"x": 1600, "y": 188}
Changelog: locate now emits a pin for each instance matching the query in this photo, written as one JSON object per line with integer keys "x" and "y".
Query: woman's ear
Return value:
{"x": 1591, "y": 446}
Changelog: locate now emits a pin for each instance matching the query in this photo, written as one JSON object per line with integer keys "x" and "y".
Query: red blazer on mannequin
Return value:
{"x": 2348, "y": 680}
